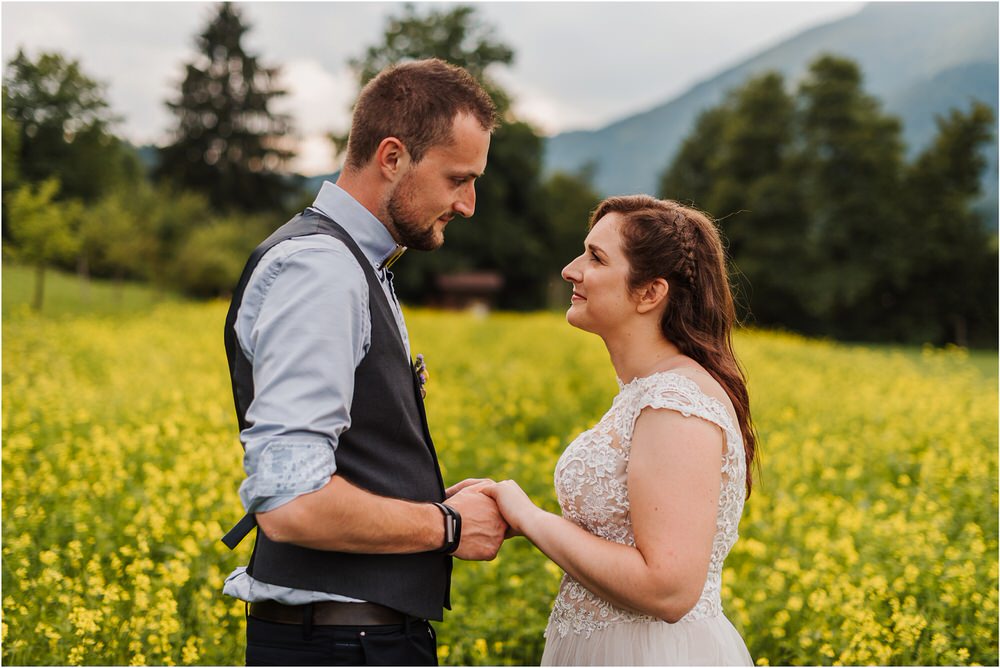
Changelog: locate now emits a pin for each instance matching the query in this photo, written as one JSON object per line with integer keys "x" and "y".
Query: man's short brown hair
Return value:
{"x": 416, "y": 102}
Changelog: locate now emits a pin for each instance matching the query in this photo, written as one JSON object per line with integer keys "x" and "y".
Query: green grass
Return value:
{"x": 66, "y": 294}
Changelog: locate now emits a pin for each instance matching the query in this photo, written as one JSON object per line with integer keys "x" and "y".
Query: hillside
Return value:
{"x": 920, "y": 59}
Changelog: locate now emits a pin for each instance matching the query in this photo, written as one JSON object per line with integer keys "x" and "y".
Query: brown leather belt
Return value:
{"x": 328, "y": 613}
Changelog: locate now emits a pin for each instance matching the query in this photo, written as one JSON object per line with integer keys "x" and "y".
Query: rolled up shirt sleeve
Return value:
{"x": 304, "y": 325}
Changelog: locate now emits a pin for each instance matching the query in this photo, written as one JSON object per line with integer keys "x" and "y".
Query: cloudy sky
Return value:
{"x": 578, "y": 65}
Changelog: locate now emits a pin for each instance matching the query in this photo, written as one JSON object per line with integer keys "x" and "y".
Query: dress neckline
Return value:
{"x": 674, "y": 372}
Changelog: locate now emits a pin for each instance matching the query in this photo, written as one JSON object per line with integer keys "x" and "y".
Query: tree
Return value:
{"x": 850, "y": 169}
{"x": 951, "y": 284}
{"x": 738, "y": 165}
{"x": 568, "y": 200}
{"x": 42, "y": 229}
{"x": 113, "y": 238}
{"x": 509, "y": 232}
{"x": 168, "y": 218}
{"x": 829, "y": 231}
{"x": 690, "y": 177}
{"x": 64, "y": 125}
{"x": 210, "y": 260}
{"x": 228, "y": 144}
{"x": 11, "y": 170}
{"x": 456, "y": 36}
{"x": 11, "y": 153}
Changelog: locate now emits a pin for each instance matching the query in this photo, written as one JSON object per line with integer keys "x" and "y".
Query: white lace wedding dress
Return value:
{"x": 591, "y": 482}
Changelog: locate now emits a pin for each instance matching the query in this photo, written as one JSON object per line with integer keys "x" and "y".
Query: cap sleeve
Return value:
{"x": 674, "y": 392}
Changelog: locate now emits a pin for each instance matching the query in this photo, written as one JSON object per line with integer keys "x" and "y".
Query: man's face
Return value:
{"x": 430, "y": 192}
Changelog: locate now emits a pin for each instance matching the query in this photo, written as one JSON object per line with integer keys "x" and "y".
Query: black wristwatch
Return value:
{"x": 452, "y": 529}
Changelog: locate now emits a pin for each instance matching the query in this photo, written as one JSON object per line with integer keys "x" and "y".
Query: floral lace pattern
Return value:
{"x": 591, "y": 482}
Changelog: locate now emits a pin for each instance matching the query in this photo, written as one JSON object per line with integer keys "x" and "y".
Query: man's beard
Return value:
{"x": 406, "y": 223}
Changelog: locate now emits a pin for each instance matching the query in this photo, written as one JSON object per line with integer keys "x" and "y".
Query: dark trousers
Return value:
{"x": 412, "y": 643}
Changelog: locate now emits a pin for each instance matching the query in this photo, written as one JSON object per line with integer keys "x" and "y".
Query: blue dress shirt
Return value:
{"x": 305, "y": 326}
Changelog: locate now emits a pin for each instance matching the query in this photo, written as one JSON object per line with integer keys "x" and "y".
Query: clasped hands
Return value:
{"x": 491, "y": 512}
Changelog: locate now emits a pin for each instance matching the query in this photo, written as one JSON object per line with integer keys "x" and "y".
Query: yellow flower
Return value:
{"x": 866, "y": 539}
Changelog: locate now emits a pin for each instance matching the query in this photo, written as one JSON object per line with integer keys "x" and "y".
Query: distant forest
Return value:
{"x": 833, "y": 229}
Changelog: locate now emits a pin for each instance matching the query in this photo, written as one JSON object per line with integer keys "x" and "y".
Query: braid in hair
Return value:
{"x": 685, "y": 236}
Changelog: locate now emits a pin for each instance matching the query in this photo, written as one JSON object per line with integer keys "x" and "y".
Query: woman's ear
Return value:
{"x": 391, "y": 157}
{"x": 653, "y": 295}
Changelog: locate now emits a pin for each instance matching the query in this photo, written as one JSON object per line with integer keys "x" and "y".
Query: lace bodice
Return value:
{"x": 591, "y": 483}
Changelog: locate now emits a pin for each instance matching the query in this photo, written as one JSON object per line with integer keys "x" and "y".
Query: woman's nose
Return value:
{"x": 570, "y": 272}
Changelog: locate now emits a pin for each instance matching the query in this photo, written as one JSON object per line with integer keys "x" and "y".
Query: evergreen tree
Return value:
{"x": 830, "y": 231}
{"x": 569, "y": 200}
{"x": 759, "y": 202}
{"x": 951, "y": 285}
{"x": 690, "y": 177}
{"x": 738, "y": 165}
{"x": 228, "y": 143}
{"x": 850, "y": 169}
{"x": 63, "y": 125}
{"x": 456, "y": 36}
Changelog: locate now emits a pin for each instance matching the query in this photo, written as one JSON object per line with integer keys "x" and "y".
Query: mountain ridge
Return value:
{"x": 944, "y": 61}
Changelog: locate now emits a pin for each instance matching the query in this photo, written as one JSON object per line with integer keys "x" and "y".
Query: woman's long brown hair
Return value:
{"x": 663, "y": 239}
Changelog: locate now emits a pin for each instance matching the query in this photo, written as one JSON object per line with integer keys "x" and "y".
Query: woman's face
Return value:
{"x": 601, "y": 302}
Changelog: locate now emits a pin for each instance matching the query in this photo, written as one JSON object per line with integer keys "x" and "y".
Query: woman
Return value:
{"x": 652, "y": 495}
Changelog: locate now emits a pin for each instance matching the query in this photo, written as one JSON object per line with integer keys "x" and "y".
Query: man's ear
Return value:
{"x": 391, "y": 158}
{"x": 653, "y": 295}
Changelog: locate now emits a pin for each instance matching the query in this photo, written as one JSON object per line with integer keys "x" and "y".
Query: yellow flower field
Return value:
{"x": 870, "y": 537}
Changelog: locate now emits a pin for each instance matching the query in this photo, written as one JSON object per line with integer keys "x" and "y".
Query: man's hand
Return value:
{"x": 459, "y": 486}
{"x": 483, "y": 528}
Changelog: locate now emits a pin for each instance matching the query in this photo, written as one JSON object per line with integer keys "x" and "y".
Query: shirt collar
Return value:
{"x": 367, "y": 231}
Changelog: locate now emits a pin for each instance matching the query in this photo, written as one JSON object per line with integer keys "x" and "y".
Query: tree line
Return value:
{"x": 831, "y": 231}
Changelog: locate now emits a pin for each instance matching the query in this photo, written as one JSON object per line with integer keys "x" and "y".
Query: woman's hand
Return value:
{"x": 514, "y": 505}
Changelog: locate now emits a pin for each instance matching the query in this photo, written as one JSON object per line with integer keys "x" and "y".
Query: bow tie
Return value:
{"x": 391, "y": 258}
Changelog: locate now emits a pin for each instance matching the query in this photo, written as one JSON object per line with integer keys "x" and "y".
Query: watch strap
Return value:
{"x": 452, "y": 528}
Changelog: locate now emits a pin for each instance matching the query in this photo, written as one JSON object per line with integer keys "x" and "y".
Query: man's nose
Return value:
{"x": 466, "y": 204}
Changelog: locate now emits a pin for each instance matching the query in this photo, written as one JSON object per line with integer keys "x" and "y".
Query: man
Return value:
{"x": 354, "y": 545}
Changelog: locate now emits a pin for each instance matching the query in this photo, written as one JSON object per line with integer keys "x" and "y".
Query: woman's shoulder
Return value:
{"x": 705, "y": 382}
{"x": 692, "y": 379}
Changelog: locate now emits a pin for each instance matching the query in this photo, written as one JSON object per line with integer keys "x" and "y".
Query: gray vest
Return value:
{"x": 387, "y": 450}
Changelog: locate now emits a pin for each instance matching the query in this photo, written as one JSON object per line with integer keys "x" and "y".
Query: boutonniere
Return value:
{"x": 420, "y": 368}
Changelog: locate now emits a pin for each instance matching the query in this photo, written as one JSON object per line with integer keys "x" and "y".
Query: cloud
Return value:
{"x": 320, "y": 102}
{"x": 539, "y": 107}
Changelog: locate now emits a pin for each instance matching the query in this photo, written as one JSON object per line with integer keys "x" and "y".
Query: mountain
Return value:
{"x": 149, "y": 156}
{"x": 312, "y": 184}
{"x": 919, "y": 58}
